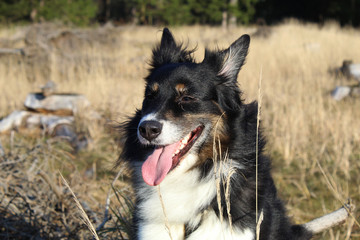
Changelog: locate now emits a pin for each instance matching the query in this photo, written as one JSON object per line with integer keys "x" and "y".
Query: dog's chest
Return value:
{"x": 180, "y": 197}
{"x": 210, "y": 228}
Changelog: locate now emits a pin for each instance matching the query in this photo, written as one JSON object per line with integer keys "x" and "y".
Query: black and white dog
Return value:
{"x": 193, "y": 143}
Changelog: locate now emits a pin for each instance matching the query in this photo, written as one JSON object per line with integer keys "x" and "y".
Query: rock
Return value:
{"x": 68, "y": 132}
{"x": 48, "y": 89}
{"x": 354, "y": 71}
{"x": 59, "y": 104}
{"x": 351, "y": 70}
{"x": 340, "y": 92}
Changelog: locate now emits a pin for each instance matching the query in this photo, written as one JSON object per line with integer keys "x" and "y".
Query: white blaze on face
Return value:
{"x": 170, "y": 132}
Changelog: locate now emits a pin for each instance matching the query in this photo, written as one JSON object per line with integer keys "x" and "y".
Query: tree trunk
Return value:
{"x": 233, "y": 20}
{"x": 224, "y": 20}
{"x": 107, "y": 11}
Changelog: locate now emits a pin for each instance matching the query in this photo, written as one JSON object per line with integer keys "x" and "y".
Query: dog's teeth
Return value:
{"x": 186, "y": 139}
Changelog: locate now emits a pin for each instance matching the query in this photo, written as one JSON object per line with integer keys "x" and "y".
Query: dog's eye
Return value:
{"x": 186, "y": 99}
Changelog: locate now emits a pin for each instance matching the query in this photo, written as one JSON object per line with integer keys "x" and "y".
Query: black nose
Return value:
{"x": 150, "y": 129}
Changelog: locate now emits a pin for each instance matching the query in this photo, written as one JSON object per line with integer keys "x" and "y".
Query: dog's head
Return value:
{"x": 185, "y": 102}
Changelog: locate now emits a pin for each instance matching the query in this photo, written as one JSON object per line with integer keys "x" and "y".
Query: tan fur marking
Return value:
{"x": 219, "y": 131}
{"x": 154, "y": 87}
{"x": 180, "y": 88}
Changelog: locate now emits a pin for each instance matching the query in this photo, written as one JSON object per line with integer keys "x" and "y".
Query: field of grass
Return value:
{"x": 314, "y": 141}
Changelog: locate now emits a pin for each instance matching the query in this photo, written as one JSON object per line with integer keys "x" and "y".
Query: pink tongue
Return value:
{"x": 158, "y": 164}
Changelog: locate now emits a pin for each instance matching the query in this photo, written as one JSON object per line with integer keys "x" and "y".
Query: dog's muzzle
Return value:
{"x": 150, "y": 129}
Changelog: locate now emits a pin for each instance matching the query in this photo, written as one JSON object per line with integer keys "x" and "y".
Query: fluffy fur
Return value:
{"x": 194, "y": 111}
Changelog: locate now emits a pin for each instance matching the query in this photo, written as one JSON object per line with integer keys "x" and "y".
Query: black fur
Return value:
{"x": 213, "y": 90}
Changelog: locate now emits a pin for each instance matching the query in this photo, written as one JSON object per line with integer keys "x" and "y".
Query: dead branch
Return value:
{"x": 12, "y": 51}
{"x": 330, "y": 220}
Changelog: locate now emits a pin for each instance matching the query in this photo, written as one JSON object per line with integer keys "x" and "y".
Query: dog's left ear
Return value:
{"x": 229, "y": 61}
{"x": 234, "y": 58}
{"x": 227, "y": 64}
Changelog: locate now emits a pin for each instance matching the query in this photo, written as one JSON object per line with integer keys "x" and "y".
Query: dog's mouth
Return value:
{"x": 166, "y": 158}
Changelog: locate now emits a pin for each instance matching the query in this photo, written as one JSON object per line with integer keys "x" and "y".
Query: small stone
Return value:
{"x": 340, "y": 92}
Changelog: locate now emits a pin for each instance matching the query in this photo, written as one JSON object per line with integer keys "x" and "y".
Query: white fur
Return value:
{"x": 183, "y": 196}
{"x": 170, "y": 133}
{"x": 213, "y": 229}
{"x": 159, "y": 231}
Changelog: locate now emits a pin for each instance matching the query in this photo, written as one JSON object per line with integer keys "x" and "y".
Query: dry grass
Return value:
{"x": 302, "y": 123}
{"x": 35, "y": 204}
{"x": 83, "y": 214}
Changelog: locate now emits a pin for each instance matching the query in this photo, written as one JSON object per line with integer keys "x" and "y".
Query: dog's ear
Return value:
{"x": 169, "y": 52}
{"x": 167, "y": 40}
{"x": 227, "y": 63}
{"x": 234, "y": 58}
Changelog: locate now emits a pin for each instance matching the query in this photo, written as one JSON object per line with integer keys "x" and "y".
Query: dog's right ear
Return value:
{"x": 169, "y": 52}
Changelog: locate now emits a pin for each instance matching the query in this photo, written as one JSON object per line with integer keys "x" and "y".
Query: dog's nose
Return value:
{"x": 150, "y": 129}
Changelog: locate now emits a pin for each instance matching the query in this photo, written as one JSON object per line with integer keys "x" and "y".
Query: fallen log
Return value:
{"x": 47, "y": 122}
{"x": 14, "y": 120}
{"x": 58, "y": 104}
{"x": 32, "y": 120}
{"x": 330, "y": 220}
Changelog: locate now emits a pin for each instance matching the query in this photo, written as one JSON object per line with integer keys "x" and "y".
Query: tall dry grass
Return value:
{"x": 303, "y": 125}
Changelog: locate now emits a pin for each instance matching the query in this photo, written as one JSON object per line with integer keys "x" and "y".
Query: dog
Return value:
{"x": 199, "y": 171}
